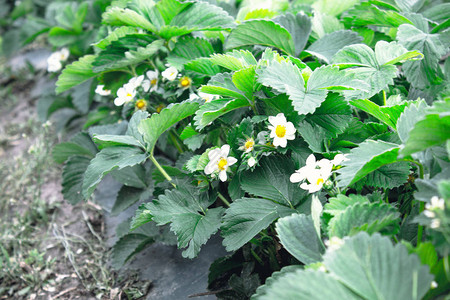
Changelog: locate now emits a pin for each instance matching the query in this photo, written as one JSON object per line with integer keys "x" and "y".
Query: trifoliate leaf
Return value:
{"x": 245, "y": 81}
{"x": 386, "y": 177}
{"x": 298, "y": 235}
{"x": 338, "y": 204}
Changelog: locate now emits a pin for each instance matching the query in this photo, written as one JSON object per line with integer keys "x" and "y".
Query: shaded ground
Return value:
{"x": 48, "y": 249}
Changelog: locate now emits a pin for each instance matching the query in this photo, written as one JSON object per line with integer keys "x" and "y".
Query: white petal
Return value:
{"x": 305, "y": 186}
{"x": 251, "y": 162}
{"x": 223, "y": 176}
{"x": 281, "y": 118}
{"x": 119, "y": 101}
{"x": 214, "y": 155}
{"x": 290, "y": 129}
{"x": 211, "y": 167}
{"x": 282, "y": 142}
{"x": 146, "y": 85}
{"x": 311, "y": 160}
{"x": 290, "y": 137}
{"x": 296, "y": 177}
{"x": 231, "y": 160}
{"x": 225, "y": 150}
{"x": 273, "y": 121}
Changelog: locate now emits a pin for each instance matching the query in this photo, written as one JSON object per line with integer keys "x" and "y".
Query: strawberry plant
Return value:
{"x": 312, "y": 136}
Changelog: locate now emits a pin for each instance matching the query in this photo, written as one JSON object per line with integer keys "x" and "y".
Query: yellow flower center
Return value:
{"x": 141, "y": 104}
{"x": 129, "y": 95}
{"x": 249, "y": 144}
{"x": 319, "y": 181}
{"x": 185, "y": 82}
{"x": 154, "y": 81}
{"x": 280, "y": 131}
{"x": 222, "y": 164}
{"x": 159, "y": 108}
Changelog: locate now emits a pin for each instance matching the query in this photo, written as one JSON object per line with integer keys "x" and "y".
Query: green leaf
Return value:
{"x": 109, "y": 140}
{"x": 433, "y": 130}
{"x": 72, "y": 178}
{"x": 189, "y": 48}
{"x": 127, "y": 50}
{"x": 123, "y": 16}
{"x": 386, "y": 177}
{"x": 107, "y": 160}
{"x": 127, "y": 246}
{"x": 202, "y": 66}
{"x": 170, "y": 8}
{"x": 115, "y": 35}
{"x": 366, "y": 158}
{"x": 190, "y": 219}
{"x": 299, "y": 26}
{"x": 246, "y": 217}
{"x": 364, "y": 267}
{"x": 285, "y": 77}
{"x": 421, "y": 73}
{"x": 368, "y": 14}
{"x": 375, "y": 68}
{"x": 328, "y": 45}
{"x": 234, "y": 60}
{"x": 409, "y": 117}
{"x": 131, "y": 176}
{"x": 374, "y": 269}
{"x": 298, "y": 235}
{"x": 369, "y": 217}
{"x": 81, "y": 144}
{"x": 222, "y": 84}
{"x": 271, "y": 181}
{"x": 245, "y": 80}
{"x": 338, "y": 204}
{"x": 333, "y": 8}
{"x": 75, "y": 73}
{"x": 128, "y": 196}
{"x": 261, "y": 32}
{"x": 304, "y": 285}
{"x": 387, "y": 114}
{"x": 141, "y": 217}
{"x": 157, "y": 124}
{"x": 210, "y": 111}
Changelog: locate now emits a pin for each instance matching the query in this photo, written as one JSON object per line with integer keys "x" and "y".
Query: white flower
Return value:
{"x": 281, "y": 130}
{"x": 55, "y": 59}
{"x": 125, "y": 94}
{"x": 315, "y": 172}
{"x": 207, "y": 97}
{"x": 435, "y": 223}
{"x": 436, "y": 203}
{"x": 53, "y": 65}
{"x": 248, "y": 145}
{"x": 64, "y": 54}
{"x": 170, "y": 73}
{"x": 152, "y": 82}
{"x": 251, "y": 161}
{"x": 434, "y": 284}
{"x": 101, "y": 91}
{"x": 334, "y": 243}
{"x": 136, "y": 82}
{"x": 429, "y": 214}
{"x": 219, "y": 162}
{"x": 338, "y": 159}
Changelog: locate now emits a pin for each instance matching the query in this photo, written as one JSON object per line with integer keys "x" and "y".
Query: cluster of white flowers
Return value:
{"x": 436, "y": 204}
{"x": 54, "y": 61}
{"x": 316, "y": 173}
{"x": 247, "y": 148}
{"x": 219, "y": 161}
{"x": 128, "y": 91}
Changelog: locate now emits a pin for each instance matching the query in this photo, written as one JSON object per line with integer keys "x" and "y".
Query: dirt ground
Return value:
{"x": 49, "y": 249}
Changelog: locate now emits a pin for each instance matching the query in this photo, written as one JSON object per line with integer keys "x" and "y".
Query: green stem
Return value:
{"x": 384, "y": 98}
{"x": 158, "y": 166}
{"x": 175, "y": 142}
{"x": 224, "y": 200}
{"x": 256, "y": 256}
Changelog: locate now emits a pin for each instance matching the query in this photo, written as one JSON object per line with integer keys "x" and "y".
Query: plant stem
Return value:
{"x": 384, "y": 98}
{"x": 256, "y": 256}
{"x": 167, "y": 176}
{"x": 224, "y": 200}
